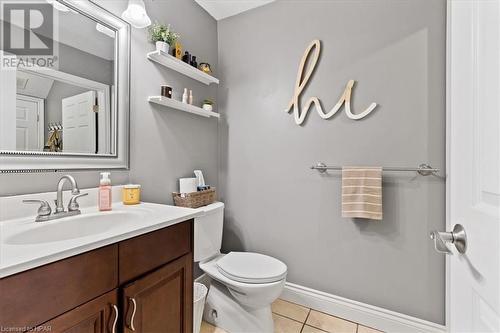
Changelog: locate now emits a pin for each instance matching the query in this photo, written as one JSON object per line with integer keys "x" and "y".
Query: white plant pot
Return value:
{"x": 162, "y": 46}
{"x": 208, "y": 107}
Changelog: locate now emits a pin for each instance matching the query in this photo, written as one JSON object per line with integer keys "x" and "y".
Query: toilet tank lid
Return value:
{"x": 248, "y": 267}
{"x": 211, "y": 208}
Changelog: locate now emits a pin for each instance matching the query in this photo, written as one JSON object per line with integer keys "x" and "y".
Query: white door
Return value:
{"x": 29, "y": 123}
{"x": 474, "y": 163}
{"x": 78, "y": 120}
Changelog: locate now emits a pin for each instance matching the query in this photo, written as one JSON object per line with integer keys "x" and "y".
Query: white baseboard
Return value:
{"x": 369, "y": 315}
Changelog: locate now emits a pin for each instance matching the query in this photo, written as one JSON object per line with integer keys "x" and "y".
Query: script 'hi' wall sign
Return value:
{"x": 301, "y": 83}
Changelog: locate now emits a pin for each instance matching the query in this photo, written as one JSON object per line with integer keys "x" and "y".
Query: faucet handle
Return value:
{"x": 43, "y": 210}
{"x": 73, "y": 204}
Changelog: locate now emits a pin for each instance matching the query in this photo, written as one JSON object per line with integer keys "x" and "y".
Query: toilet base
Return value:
{"x": 222, "y": 310}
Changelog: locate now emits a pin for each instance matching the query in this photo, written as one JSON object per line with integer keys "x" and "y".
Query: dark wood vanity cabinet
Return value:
{"x": 143, "y": 284}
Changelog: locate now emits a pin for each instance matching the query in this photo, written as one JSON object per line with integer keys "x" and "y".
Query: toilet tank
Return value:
{"x": 208, "y": 231}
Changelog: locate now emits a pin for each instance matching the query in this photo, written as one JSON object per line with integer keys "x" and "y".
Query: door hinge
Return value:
{"x": 95, "y": 108}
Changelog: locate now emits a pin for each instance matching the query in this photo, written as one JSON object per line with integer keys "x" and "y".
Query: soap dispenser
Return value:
{"x": 105, "y": 192}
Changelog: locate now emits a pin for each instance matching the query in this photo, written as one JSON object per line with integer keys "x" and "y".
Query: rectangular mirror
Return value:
{"x": 67, "y": 108}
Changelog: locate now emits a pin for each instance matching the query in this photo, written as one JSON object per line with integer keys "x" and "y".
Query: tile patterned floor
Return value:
{"x": 293, "y": 318}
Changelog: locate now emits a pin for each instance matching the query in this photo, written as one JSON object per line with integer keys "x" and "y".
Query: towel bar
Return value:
{"x": 423, "y": 169}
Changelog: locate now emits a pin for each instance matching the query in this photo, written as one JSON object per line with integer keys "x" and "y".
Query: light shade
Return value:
{"x": 136, "y": 15}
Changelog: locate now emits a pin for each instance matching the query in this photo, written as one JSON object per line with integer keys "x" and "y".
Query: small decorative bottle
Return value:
{"x": 186, "y": 57}
{"x": 185, "y": 96}
{"x": 191, "y": 97}
{"x": 178, "y": 50}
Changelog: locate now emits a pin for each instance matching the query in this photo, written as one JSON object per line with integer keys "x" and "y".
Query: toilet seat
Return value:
{"x": 253, "y": 295}
{"x": 254, "y": 268}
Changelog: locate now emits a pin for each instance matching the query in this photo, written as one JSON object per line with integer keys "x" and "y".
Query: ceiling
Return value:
{"x": 220, "y": 9}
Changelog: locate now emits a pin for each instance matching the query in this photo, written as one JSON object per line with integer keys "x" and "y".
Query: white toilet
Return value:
{"x": 243, "y": 285}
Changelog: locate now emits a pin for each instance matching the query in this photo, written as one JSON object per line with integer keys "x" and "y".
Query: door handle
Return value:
{"x": 115, "y": 310}
{"x": 457, "y": 237}
{"x": 132, "y": 317}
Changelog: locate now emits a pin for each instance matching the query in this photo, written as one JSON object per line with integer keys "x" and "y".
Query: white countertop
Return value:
{"x": 15, "y": 258}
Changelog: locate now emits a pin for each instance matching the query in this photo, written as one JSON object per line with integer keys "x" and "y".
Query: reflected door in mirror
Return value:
{"x": 79, "y": 123}
{"x": 29, "y": 123}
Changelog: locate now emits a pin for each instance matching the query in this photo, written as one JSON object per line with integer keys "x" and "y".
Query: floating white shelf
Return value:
{"x": 172, "y": 103}
{"x": 179, "y": 66}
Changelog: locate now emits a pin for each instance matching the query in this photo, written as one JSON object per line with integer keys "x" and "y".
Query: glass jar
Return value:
{"x": 131, "y": 194}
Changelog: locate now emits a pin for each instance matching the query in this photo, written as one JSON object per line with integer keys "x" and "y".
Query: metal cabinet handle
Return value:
{"x": 457, "y": 237}
{"x": 134, "y": 303}
{"x": 115, "y": 310}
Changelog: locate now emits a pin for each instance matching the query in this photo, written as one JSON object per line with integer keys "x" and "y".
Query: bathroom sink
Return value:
{"x": 75, "y": 227}
{"x": 26, "y": 244}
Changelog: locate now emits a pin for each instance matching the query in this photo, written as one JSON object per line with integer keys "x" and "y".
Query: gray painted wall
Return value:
{"x": 15, "y": 184}
{"x": 168, "y": 144}
{"x": 86, "y": 65}
{"x": 165, "y": 144}
{"x": 395, "y": 49}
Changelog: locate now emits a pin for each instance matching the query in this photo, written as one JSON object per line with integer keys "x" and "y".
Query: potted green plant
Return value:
{"x": 162, "y": 36}
{"x": 208, "y": 105}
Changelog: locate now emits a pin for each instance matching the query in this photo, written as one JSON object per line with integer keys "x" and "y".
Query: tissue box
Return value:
{"x": 195, "y": 199}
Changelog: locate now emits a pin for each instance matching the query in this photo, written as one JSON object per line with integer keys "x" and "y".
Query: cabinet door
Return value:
{"x": 97, "y": 316}
{"x": 161, "y": 302}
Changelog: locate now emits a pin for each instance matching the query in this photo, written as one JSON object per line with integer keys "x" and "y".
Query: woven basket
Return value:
{"x": 195, "y": 199}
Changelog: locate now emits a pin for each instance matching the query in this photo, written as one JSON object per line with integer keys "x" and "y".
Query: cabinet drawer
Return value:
{"x": 35, "y": 296}
{"x": 145, "y": 253}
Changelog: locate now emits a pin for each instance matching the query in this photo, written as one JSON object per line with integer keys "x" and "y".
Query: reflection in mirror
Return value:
{"x": 58, "y": 112}
{"x": 68, "y": 109}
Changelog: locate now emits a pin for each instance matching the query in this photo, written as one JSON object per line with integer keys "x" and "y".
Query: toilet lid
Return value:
{"x": 250, "y": 267}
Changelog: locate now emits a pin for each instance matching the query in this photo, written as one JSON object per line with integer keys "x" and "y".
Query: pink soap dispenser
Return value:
{"x": 105, "y": 192}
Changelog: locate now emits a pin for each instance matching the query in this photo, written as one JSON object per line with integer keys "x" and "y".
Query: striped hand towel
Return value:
{"x": 362, "y": 192}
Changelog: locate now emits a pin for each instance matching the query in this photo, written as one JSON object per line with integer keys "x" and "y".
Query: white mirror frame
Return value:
{"x": 15, "y": 161}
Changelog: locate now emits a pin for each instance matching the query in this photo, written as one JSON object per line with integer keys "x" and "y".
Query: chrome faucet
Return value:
{"x": 74, "y": 190}
{"x": 45, "y": 212}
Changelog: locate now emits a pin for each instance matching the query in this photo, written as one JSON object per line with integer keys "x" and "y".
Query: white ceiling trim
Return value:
{"x": 220, "y": 9}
